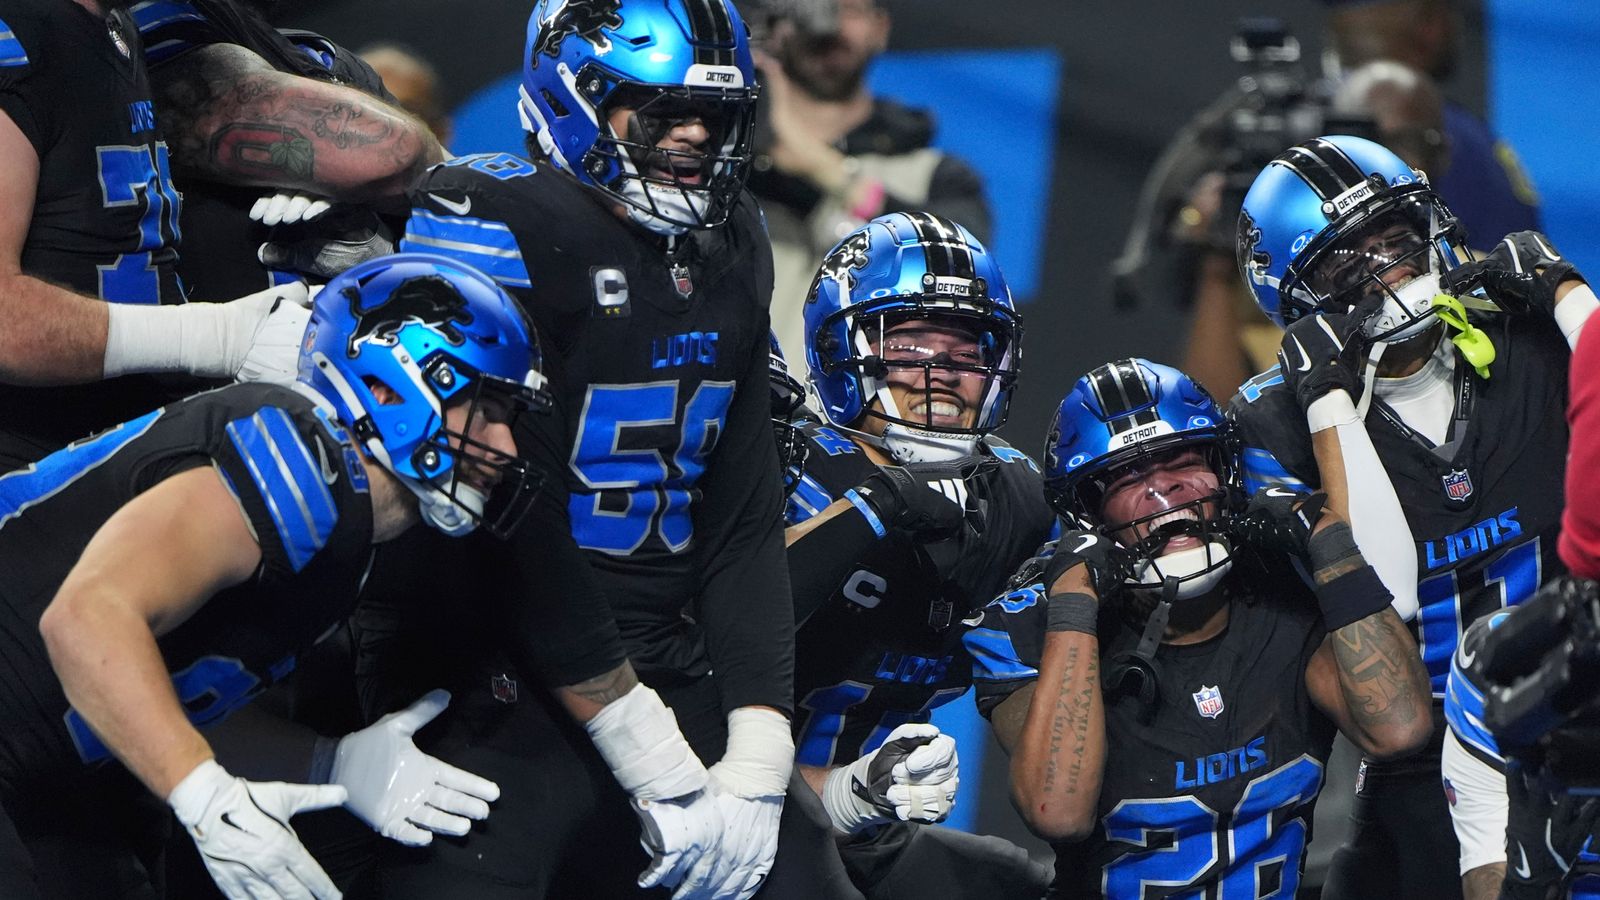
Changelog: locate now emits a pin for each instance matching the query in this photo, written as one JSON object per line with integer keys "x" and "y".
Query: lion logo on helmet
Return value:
{"x": 583, "y": 18}
{"x": 845, "y": 259}
{"x": 429, "y": 301}
{"x": 1251, "y": 259}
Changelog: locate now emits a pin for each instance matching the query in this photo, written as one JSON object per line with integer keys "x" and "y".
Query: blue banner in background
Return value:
{"x": 1543, "y": 73}
{"x": 994, "y": 108}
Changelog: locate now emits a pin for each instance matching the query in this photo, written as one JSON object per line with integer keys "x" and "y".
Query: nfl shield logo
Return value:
{"x": 503, "y": 688}
{"x": 1209, "y": 701}
{"x": 1457, "y": 485}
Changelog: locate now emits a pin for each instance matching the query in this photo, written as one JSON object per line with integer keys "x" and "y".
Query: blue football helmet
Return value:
{"x": 435, "y": 332}
{"x": 1121, "y": 418}
{"x": 672, "y": 62}
{"x": 910, "y": 267}
{"x": 788, "y": 399}
{"x": 1339, "y": 223}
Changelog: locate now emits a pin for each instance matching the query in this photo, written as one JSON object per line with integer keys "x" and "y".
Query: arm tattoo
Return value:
{"x": 227, "y": 115}
{"x": 1378, "y": 674}
{"x": 604, "y": 689}
{"x": 1071, "y": 715}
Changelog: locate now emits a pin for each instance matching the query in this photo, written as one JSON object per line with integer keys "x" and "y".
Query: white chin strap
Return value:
{"x": 912, "y": 445}
{"x": 457, "y": 517}
{"x": 1188, "y": 566}
{"x": 1406, "y": 310}
{"x": 675, "y": 204}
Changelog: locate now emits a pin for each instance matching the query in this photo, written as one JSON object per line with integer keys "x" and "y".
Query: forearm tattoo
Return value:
{"x": 227, "y": 115}
{"x": 606, "y": 688}
{"x": 1380, "y": 674}
{"x": 1070, "y": 722}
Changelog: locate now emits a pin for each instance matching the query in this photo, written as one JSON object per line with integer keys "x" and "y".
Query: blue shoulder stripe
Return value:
{"x": 11, "y": 52}
{"x": 1262, "y": 469}
{"x": 152, "y": 14}
{"x": 55, "y": 473}
{"x": 809, "y": 499}
{"x": 994, "y": 657}
{"x": 290, "y": 481}
{"x": 486, "y": 245}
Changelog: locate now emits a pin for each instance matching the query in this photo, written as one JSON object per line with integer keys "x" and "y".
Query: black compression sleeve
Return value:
{"x": 821, "y": 560}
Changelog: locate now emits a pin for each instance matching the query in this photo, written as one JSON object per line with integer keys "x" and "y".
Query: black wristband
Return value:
{"x": 1072, "y": 612}
{"x": 1352, "y": 597}
{"x": 1331, "y": 545}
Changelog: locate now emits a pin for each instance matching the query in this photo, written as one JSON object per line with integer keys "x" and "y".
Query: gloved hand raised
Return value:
{"x": 911, "y": 777}
{"x": 929, "y": 500}
{"x": 1520, "y": 275}
{"x": 1323, "y": 353}
{"x": 405, "y": 794}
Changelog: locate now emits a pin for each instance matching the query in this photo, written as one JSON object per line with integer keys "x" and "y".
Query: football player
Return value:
{"x": 909, "y": 516}
{"x": 162, "y": 573}
{"x": 629, "y": 239}
{"x": 94, "y": 217}
{"x": 1166, "y": 689}
{"x": 1461, "y": 425}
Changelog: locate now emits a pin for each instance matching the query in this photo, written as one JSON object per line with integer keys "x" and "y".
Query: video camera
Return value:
{"x": 1274, "y": 105}
{"x": 1541, "y": 674}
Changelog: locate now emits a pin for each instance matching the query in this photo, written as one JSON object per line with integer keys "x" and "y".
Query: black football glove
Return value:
{"x": 1520, "y": 275}
{"x": 1323, "y": 353}
{"x": 1279, "y": 518}
{"x": 1108, "y": 563}
{"x": 1544, "y": 832}
{"x": 337, "y": 240}
{"x": 929, "y": 500}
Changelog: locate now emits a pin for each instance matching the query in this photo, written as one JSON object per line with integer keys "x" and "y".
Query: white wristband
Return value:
{"x": 848, "y": 812}
{"x": 193, "y": 794}
{"x": 1331, "y": 410}
{"x": 211, "y": 340}
{"x": 760, "y": 754}
{"x": 1574, "y": 310}
{"x": 639, "y": 739}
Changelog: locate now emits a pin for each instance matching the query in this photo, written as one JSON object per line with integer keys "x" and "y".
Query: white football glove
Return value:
{"x": 912, "y": 777}
{"x": 287, "y": 208}
{"x": 681, "y": 835}
{"x": 241, "y": 828}
{"x": 274, "y": 354}
{"x": 749, "y": 785}
{"x": 638, "y": 737}
{"x": 405, "y": 794}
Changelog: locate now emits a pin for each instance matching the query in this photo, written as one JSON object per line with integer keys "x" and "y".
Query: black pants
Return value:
{"x": 906, "y": 861}
{"x": 1402, "y": 843}
{"x": 99, "y": 837}
{"x": 562, "y": 826}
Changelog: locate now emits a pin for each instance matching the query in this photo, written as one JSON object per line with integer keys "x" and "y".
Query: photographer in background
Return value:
{"x": 830, "y": 155}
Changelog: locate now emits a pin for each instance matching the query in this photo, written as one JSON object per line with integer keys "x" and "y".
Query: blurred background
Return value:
{"x": 1064, "y": 109}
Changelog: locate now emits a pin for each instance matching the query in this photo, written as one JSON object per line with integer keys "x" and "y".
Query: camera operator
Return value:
{"x": 830, "y": 155}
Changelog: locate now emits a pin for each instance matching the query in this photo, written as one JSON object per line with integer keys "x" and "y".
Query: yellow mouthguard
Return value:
{"x": 1472, "y": 341}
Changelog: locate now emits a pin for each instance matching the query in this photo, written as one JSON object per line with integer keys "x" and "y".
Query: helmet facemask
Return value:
{"x": 1387, "y": 261}
{"x": 952, "y": 363}
{"x": 788, "y": 396}
{"x": 667, "y": 190}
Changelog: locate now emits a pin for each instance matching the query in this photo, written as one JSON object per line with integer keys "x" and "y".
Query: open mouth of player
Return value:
{"x": 671, "y": 168}
{"x": 1183, "y": 536}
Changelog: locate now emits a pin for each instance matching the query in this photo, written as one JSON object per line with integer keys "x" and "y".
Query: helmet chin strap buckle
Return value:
{"x": 1135, "y": 673}
{"x": 1473, "y": 342}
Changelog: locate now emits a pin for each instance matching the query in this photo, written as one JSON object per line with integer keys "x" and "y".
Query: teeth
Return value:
{"x": 1173, "y": 516}
{"x": 940, "y": 408}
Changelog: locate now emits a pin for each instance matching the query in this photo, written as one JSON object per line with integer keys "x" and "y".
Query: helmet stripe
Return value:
{"x": 1340, "y": 161}
{"x": 1314, "y": 171}
{"x": 712, "y": 30}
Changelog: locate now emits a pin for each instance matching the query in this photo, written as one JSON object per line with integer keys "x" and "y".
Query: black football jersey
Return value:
{"x": 105, "y": 217}
{"x": 1486, "y": 511}
{"x": 659, "y": 366}
{"x": 1209, "y": 793}
{"x": 885, "y": 648}
{"x": 219, "y": 260}
{"x": 300, "y": 481}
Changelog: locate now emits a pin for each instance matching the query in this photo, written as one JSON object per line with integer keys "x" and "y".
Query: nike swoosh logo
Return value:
{"x": 460, "y": 209}
{"x": 1467, "y": 658}
{"x": 1088, "y": 540}
{"x": 1524, "y": 870}
{"x": 1280, "y": 492}
{"x": 329, "y": 473}
{"x": 1305, "y": 358}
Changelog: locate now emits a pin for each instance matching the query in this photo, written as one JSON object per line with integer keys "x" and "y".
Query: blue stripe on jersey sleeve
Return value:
{"x": 55, "y": 473}
{"x": 488, "y": 246}
{"x": 994, "y": 657}
{"x": 808, "y": 500}
{"x": 11, "y": 52}
{"x": 289, "y": 480}
{"x": 152, "y": 14}
{"x": 1463, "y": 710}
{"x": 1262, "y": 469}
